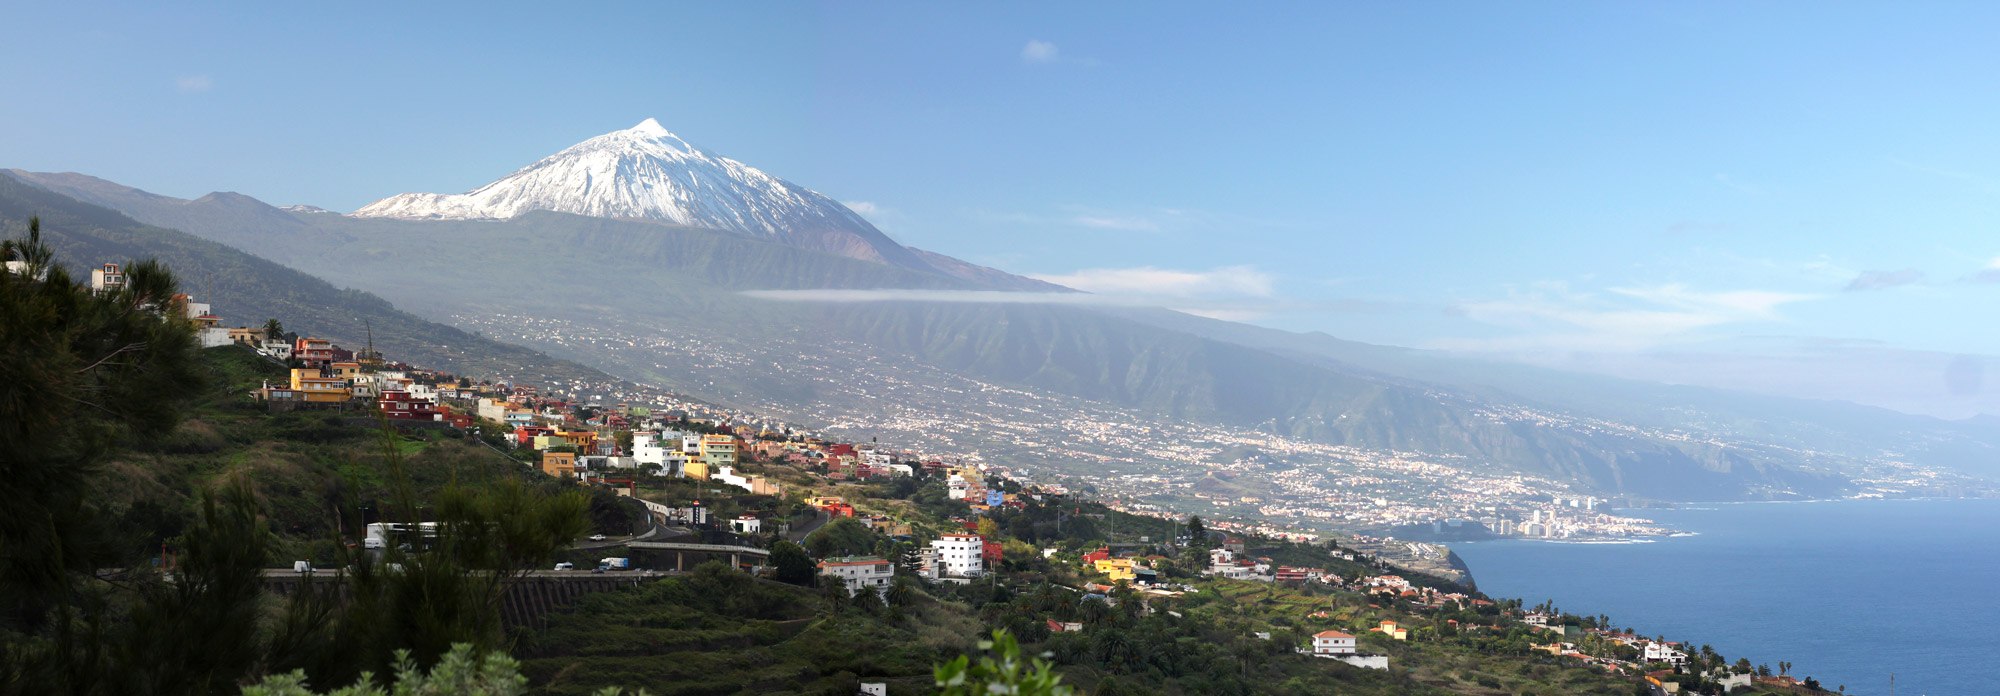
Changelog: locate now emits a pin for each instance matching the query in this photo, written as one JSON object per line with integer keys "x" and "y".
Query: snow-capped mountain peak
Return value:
{"x": 648, "y": 172}
{"x": 651, "y": 127}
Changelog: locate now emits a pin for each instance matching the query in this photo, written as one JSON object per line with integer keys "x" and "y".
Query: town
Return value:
{"x": 745, "y": 482}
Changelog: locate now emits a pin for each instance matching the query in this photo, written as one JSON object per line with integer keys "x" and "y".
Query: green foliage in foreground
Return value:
{"x": 1001, "y": 672}
{"x": 720, "y": 631}
{"x": 95, "y": 388}
{"x": 460, "y": 672}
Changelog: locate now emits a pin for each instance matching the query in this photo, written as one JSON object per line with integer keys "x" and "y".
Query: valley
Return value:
{"x": 1141, "y": 462}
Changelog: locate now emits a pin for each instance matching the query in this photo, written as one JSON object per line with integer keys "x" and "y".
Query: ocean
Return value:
{"x": 1848, "y": 591}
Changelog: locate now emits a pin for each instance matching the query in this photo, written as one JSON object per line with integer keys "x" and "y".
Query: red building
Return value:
{"x": 397, "y": 404}
{"x": 525, "y": 435}
{"x": 990, "y": 553}
{"x": 1098, "y": 555}
{"x": 316, "y": 353}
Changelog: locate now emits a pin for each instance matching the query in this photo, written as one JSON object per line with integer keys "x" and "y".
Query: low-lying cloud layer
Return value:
{"x": 1234, "y": 293}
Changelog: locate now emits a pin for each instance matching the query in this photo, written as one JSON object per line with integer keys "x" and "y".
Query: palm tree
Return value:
{"x": 1044, "y": 597}
{"x": 1094, "y": 610}
{"x": 900, "y": 592}
{"x": 1114, "y": 647}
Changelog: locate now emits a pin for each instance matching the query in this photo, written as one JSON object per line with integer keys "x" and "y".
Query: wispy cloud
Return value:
{"x": 1148, "y": 280}
{"x": 862, "y": 207}
{"x": 1038, "y": 51}
{"x": 1882, "y": 280}
{"x": 1117, "y": 223}
{"x": 1731, "y": 182}
{"x": 1989, "y": 274}
{"x": 194, "y": 83}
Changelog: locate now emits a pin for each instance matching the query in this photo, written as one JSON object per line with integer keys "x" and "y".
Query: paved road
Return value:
{"x": 656, "y": 532}
{"x": 798, "y": 535}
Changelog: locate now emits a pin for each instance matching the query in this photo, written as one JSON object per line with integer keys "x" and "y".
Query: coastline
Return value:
{"x": 1794, "y": 583}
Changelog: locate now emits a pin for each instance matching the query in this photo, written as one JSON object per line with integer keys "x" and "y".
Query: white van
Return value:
{"x": 565, "y": 566}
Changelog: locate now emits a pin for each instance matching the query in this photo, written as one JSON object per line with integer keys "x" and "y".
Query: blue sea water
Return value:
{"x": 1848, "y": 591}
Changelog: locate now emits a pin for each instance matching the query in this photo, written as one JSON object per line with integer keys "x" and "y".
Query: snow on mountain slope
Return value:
{"x": 646, "y": 172}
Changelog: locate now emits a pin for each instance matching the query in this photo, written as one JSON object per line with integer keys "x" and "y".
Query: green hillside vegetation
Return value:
{"x": 144, "y": 498}
{"x": 719, "y": 631}
{"x": 306, "y": 468}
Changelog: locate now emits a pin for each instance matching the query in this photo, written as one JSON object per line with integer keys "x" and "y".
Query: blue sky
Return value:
{"x": 1787, "y": 197}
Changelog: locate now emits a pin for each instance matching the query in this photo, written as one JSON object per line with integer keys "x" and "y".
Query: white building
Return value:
{"x": 860, "y": 573}
{"x": 1333, "y": 643}
{"x": 959, "y": 555}
{"x": 1662, "y": 652}
{"x": 746, "y": 524}
{"x": 728, "y": 475}
{"x": 647, "y": 449}
{"x": 105, "y": 279}
{"x": 422, "y": 392}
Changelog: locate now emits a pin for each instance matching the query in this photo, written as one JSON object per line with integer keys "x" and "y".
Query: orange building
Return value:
{"x": 559, "y": 463}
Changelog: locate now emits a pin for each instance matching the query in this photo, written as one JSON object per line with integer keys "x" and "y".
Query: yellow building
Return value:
{"x": 316, "y": 389}
{"x": 245, "y": 335}
{"x": 1116, "y": 568}
{"x": 581, "y": 439}
{"x": 696, "y": 469}
{"x": 559, "y": 463}
{"x": 1392, "y": 630}
{"x": 345, "y": 370}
